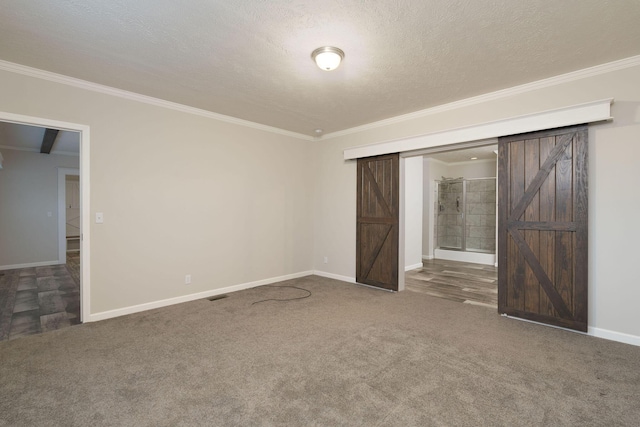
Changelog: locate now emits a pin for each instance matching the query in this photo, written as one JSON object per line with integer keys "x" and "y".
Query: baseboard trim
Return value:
{"x": 427, "y": 257}
{"x": 191, "y": 297}
{"x": 614, "y": 336}
{"x": 464, "y": 256}
{"x": 413, "y": 267}
{"x": 335, "y": 276}
{"x": 29, "y": 265}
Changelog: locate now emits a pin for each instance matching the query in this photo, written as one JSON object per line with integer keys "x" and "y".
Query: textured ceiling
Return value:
{"x": 250, "y": 59}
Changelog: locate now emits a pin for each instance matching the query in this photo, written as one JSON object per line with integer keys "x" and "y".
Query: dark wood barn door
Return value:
{"x": 542, "y": 237}
{"x": 377, "y": 221}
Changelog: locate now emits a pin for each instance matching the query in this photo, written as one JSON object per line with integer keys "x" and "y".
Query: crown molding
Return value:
{"x": 527, "y": 87}
{"x": 132, "y": 96}
{"x": 504, "y": 93}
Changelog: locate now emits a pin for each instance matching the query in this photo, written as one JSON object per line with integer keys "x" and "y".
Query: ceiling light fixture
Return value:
{"x": 327, "y": 57}
{"x": 474, "y": 158}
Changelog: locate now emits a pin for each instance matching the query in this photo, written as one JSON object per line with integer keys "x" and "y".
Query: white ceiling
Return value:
{"x": 29, "y": 138}
{"x": 250, "y": 59}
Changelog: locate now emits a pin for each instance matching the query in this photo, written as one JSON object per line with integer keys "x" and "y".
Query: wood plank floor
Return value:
{"x": 456, "y": 281}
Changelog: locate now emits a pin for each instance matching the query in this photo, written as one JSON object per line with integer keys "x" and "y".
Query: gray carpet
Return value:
{"x": 347, "y": 355}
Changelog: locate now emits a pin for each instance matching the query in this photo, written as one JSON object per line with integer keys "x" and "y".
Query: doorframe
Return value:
{"x": 62, "y": 211}
{"x": 85, "y": 230}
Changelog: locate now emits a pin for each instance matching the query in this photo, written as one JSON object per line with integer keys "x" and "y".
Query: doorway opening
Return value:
{"x": 450, "y": 235}
{"x": 45, "y": 189}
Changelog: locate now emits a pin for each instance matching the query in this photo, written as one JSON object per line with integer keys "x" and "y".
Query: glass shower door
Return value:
{"x": 450, "y": 214}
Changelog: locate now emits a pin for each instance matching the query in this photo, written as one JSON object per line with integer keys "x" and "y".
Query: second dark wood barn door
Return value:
{"x": 377, "y": 221}
{"x": 542, "y": 268}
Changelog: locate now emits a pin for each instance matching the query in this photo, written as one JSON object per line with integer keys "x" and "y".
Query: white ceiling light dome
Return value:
{"x": 328, "y": 58}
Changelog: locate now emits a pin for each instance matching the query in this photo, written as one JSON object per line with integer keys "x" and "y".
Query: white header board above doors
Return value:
{"x": 573, "y": 115}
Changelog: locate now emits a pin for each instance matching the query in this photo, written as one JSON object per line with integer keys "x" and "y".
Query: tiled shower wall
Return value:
{"x": 480, "y": 212}
{"x": 481, "y": 215}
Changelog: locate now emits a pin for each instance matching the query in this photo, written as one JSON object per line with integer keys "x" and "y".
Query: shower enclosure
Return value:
{"x": 466, "y": 218}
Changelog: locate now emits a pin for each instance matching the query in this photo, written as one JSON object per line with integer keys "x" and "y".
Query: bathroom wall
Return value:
{"x": 473, "y": 169}
{"x": 480, "y": 207}
{"x": 413, "y": 173}
{"x": 433, "y": 170}
{"x": 480, "y": 212}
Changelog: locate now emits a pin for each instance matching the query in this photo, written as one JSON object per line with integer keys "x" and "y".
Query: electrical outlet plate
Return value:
{"x": 187, "y": 279}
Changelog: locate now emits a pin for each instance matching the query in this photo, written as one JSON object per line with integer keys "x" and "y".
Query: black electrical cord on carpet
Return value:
{"x": 285, "y": 299}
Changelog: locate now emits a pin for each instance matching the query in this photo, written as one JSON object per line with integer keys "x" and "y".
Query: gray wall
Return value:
{"x": 28, "y": 191}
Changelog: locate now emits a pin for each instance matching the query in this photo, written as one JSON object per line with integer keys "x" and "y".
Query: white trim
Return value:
{"x": 413, "y": 267}
{"x": 504, "y": 93}
{"x": 335, "y": 276}
{"x": 84, "y": 130}
{"x": 62, "y": 211}
{"x": 132, "y": 96}
{"x": 427, "y": 257}
{"x": 614, "y": 336}
{"x": 192, "y": 297}
{"x": 464, "y": 256}
{"x": 85, "y": 224}
{"x": 39, "y": 121}
{"x": 28, "y": 265}
{"x": 589, "y": 112}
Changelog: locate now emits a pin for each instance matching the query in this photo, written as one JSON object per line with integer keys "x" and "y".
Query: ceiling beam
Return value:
{"x": 48, "y": 139}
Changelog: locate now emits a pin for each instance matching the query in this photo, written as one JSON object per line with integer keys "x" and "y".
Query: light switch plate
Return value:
{"x": 99, "y": 218}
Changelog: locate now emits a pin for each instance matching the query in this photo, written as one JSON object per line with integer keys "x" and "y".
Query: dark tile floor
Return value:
{"x": 39, "y": 299}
